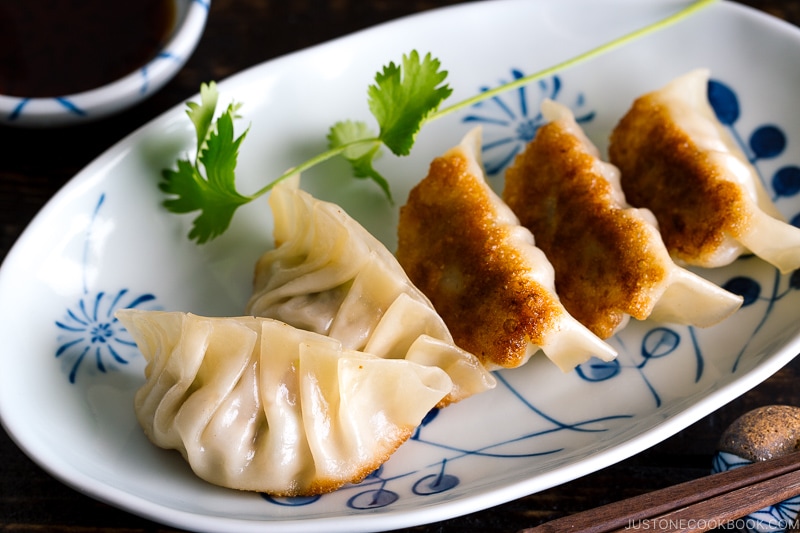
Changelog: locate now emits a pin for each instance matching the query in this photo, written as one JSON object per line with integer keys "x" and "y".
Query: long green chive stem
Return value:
{"x": 602, "y": 49}
{"x": 491, "y": 93}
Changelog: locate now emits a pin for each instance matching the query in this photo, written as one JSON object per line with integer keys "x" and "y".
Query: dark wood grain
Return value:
{"x": 240, "y": 34}
{"x": 708, "y": 500}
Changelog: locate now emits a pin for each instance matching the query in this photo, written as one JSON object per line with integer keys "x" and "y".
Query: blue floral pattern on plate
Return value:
{"x": 88, "y": 331}
{"x": 517, "y": 119}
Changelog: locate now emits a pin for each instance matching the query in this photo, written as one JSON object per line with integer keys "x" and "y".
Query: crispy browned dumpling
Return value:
{"x": 605, "y": 265}
{"x": 677, "y": 160}
{"x": 463, "y": 247}
{"x": 609, "y": 260}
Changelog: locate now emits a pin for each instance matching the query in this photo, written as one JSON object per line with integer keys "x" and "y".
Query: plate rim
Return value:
{"x": 123, "y": 500}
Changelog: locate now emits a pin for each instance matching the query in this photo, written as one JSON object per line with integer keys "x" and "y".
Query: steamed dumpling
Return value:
{"x": 329, "y": 275}
{"x": 464, "y": 248}
{"x": 610, "y": 262}
{"x": 256, "y": 404}
{"x": 678, "y": 161}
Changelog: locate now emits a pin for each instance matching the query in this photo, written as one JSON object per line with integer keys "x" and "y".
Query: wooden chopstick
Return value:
{"x": 716, "y": 512}
{"x": 697, "y": 505}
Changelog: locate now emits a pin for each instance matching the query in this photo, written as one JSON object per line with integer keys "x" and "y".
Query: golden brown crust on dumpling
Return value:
{"x": 602, "y": 254}
{"x": 323, "y": 486}
{"x": 453, "y": 249}
{"x": 665, "y": 171}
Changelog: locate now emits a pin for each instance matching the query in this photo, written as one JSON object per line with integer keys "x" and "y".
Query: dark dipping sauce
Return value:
{"x": 60, "y": 47}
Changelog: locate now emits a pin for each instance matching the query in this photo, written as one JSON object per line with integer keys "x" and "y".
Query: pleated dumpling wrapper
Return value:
{"x": 329, "y": 275}
{"x": 678, "y": 160}
{"x": 464, "y": 248}
{"x": 255, "y": 404}
{"x": 610, "y": 262}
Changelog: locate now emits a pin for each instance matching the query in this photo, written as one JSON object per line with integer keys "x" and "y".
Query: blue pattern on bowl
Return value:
{"x": 118, "y": 95}
{"x": 778, "y": 518}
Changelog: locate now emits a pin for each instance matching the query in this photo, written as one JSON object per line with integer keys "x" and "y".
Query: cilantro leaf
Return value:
{"x": 402, "y": 100}
{"x": 361, "y": 148}
{"x": 403, "y": 97}
{"x": 214, "y": 195}
{"x": 202, "y": 114}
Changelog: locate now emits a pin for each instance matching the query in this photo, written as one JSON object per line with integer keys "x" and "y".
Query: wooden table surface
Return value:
{"x": 239, "y": 34}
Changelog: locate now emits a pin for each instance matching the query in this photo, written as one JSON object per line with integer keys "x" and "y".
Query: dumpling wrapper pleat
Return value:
{"x": 329, "y": 275}
{"x": 256, "y": 404}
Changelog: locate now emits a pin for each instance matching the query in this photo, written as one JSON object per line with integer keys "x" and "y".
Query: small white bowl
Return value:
{"x": 190, "y": 21}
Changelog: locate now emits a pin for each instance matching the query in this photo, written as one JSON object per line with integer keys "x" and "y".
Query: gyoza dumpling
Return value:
{"x": 329, "y": 275}
{"x": 464, "y": 248}
{"x": 256, "y": 404}
{"x": 678, "y": 161}
{"x": 610, "y": 262}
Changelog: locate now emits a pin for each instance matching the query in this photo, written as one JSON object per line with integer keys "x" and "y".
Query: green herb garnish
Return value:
{"x": 402, "y": 100}
{"x": 214, "y": 194}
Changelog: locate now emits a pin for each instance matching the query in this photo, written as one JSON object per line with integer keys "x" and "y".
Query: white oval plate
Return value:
{"x": 69, "y": 372}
